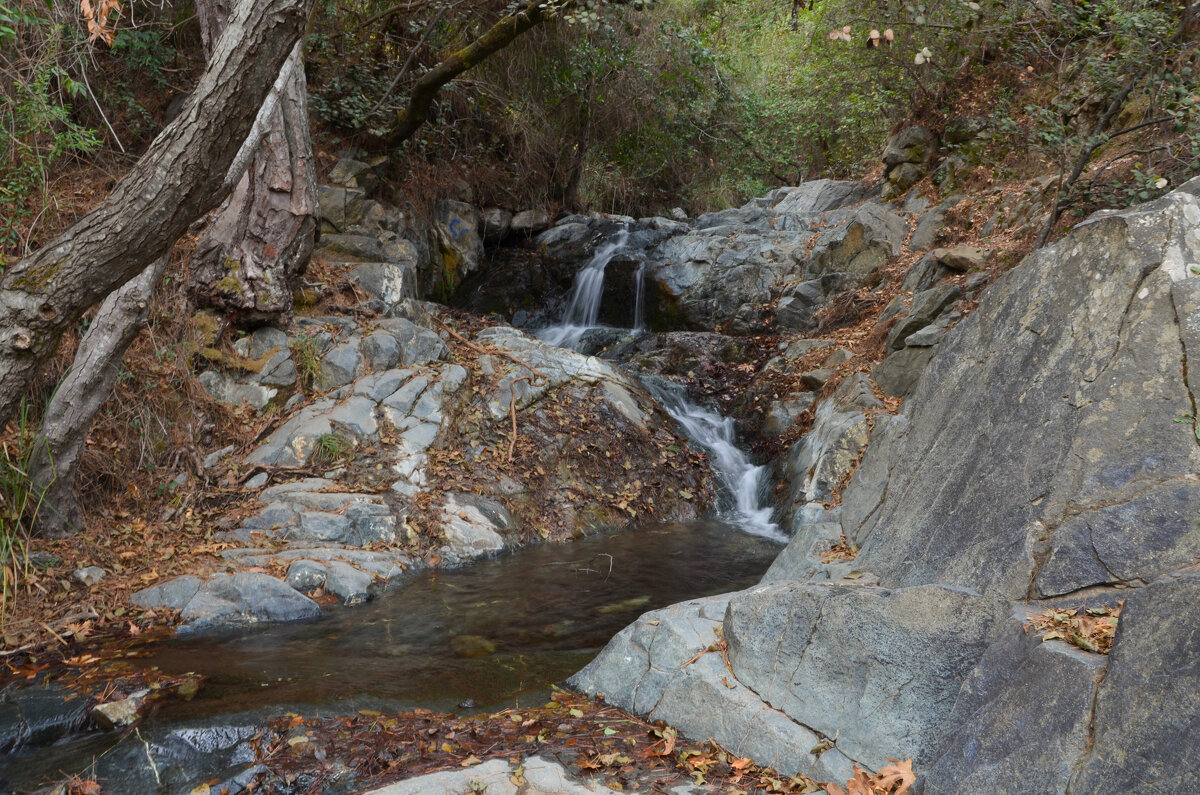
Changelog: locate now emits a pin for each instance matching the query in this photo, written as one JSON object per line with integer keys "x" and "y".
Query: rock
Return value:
{"x": 678, "y": 214}
{"x": 567, "y": 241}
{"x": 468, "y": 531}
{"x": 1085, "y": 419}
{"x": 815, "y": 379}
{"x": 215, "y": 457}
{"x": 352, "y": 173}
{"x": 257, "y": 482}
{"x": 799, "y": 348}
{"x": 993, "y": 721}
{"x": 496, "y": 777}
{"x": 530, "y": 222}
{"x": 342, "y": 364}
{"x": 417, "y": 345}
{"x": 645, "y": 669}
{"x": 926, "y": 306}
{"x": 962, "y": 258}
{"x": 226, "y": 389}
{"x": 913, "y": 144}
{"x": 862, "y": 240}
{"x": 460, "y": 246}
{"x": 381, "y": 351}
{"x": 306, "y": 576}
{"x": 925, "y": 273}
{"x": 348, "y": 584}
{"x": 340, "y": 208}
{"x": 794, "y": 644}
{"x": 390, "y": 283}
{"x": 173, "y": 594}
{"x": 1147, "y": 701}
{"x": 495, "y": 224}
{"x": 782, "y": 413}
{"x": 471, "y": 646}
{"x": 90, "y": 575}
{"x": 370, "y": 248}
{"x": 820, "y": 196}
{"x": 119, "y": 714}
{"x": 898, "y": 374}
{"x": 245, "y": 598}
{"x": 816, "y": 463}
{"x": 931, "y": 223}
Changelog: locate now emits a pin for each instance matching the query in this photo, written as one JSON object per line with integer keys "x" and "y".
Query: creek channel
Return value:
{"x": 489, "y": 635}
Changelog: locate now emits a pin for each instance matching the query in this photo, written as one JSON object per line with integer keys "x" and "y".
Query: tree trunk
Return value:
{"x": 188, "y": 169}
{"x": 255, "y": 248}
{"x": 56, "y": 448}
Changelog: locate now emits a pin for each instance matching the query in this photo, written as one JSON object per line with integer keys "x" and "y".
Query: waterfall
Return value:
{"x": 586, "y": 294}
{"x": 744, "y": 483}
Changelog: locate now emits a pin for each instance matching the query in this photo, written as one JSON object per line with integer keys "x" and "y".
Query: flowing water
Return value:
{"x": 744, "y": 484}
{"x": 584, "y": 309}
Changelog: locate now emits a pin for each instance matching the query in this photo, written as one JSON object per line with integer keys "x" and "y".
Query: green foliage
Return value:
{"x": 307, "y": 357}
{"x": 332, "y": 449}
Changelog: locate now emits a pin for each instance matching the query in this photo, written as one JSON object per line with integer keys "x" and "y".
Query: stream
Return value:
{"x": 493, "y": 634}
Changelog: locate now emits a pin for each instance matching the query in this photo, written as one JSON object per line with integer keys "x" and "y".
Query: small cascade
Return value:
{"x": 744, "y": 483}
{"x": 584, "y": 309}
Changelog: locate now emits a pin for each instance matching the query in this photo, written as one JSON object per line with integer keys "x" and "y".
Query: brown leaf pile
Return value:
{"x": 893, "y": 779}
{"x": 1091, "y": 629}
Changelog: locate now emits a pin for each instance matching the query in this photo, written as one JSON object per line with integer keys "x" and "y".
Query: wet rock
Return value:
{"x": 38, "y": 714}
{"x": 245, "y": 598}
{"x": 173, "y": 594}
{"x": 471, "y": 646}
{"x": 306, "y": 576}
{"x": 119, "y": 714}
{"x": 348, "y": 584}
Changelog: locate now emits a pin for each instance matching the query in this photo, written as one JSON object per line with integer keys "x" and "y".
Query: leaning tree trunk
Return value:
{"x": 256, "y": 246}
{"x": 56, "y": 449}
{"x": 193, "y": 164}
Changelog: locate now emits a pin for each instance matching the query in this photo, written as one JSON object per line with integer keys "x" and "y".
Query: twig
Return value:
{"x": 493, "y": 349}
{"x": 512, "y": 412}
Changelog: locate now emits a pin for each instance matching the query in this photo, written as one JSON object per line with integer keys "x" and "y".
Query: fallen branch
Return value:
{"x": 492, "y": 349}
{"x": 512, "y": 412}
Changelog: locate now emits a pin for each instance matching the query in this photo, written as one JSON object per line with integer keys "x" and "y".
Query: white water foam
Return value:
{"x": 584, "y": 309}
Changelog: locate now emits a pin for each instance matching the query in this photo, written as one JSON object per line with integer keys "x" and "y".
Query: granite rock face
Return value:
{"x": 1047, "y": 457}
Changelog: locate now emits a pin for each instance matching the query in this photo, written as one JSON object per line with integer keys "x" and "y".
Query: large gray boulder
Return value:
{"x": 1046, "y": 458}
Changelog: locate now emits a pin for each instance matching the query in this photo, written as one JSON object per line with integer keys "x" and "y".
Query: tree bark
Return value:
{"x": 188, "y": 169}
{"x": 54, "y": 458}
{"x": 255, "y": 248}
{"x": 497, "y": 37}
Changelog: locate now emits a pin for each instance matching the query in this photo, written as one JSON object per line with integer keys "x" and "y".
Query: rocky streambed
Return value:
{"x": 1044, "y": 459}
